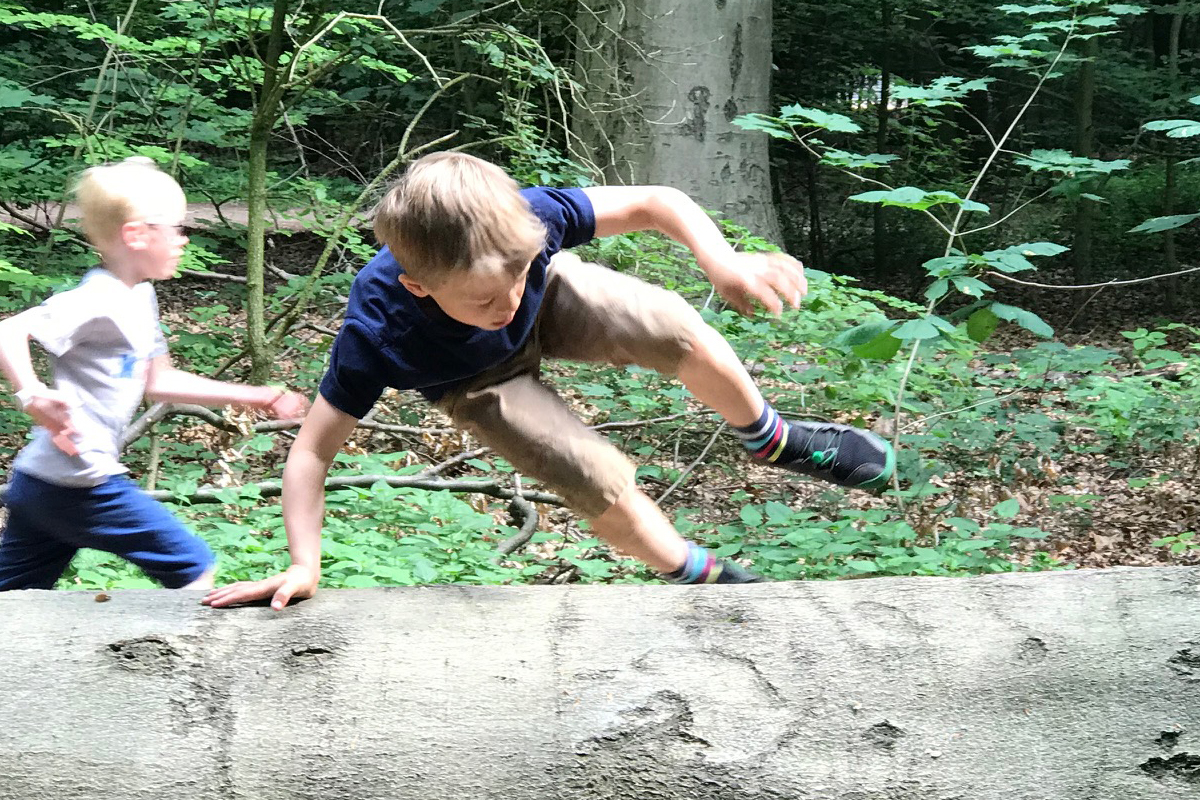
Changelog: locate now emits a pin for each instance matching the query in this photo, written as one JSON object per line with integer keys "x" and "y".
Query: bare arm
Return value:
{"x": 48, "y": 408}
{"x": 166, "y": 384}
{"x": 322, "y": 435}
{"x": 739, "y": 277}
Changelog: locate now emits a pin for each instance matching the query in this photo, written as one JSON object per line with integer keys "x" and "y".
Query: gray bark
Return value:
{"x": 1079, "y": 685}
{"x": 663, "y": 82}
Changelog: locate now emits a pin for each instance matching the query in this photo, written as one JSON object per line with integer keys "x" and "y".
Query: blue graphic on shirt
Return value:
{"x": 128, "y": 362}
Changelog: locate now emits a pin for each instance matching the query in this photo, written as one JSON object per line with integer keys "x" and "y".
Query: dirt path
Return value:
{"x": 199, "y": 215}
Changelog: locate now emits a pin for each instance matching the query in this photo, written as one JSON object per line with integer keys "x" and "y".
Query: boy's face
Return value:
{"x": 487, "y": 299}
{"x": 158, "y": 242}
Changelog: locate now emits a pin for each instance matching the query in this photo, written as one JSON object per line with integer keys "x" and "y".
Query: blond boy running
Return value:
{"x": 465, "y": 300}
{"x": 67, "y": 487}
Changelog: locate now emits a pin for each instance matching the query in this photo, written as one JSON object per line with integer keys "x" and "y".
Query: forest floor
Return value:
{"x": 1119, "y": 513}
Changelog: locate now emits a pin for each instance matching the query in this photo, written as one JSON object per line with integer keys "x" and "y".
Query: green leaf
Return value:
{"x": 13, "y": 95}
{"x": 1068, "y": 164}
{"x": 1026, "y": 319}
{"x": 871, "y": 340}
{"x": 861, "y": 334}
{"x": 944, "y": 266}
{"x": 917, "y": 329}
{"x": 981, "y": 324}
{"x": 915, "y": 198}
{"x": 972, "y": 287}
{"x": 1040, "y": 249}
{"x": 1122, "y": 9}
{"x": 764, "y": 124}
{"x": 751, "y": 517}
{"x": 1175, "y": 128}
{"x": 938, "y": 289}
{"x": 1013, "y": 259}
{"x": 1015, "y": 9}
{"x": 947, "y": 90}
{"x": 815, "y": 118}
{"x": 1007, "y": 260}
{"x": 909, "y": 196}
{"x": 945, "y": 326}
{"x": 424, "y": 570}
{"x": 1007, "y": 509}
{"x": 1160, "y": 224}
{"x": 841, "y": 158}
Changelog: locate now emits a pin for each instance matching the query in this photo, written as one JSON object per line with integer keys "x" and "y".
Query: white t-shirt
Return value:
{"x": 101, "y": 335}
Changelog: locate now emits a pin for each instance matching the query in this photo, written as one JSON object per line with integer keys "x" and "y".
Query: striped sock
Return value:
{"x": 702, "y": 566}
{"x": 767, "y": 438}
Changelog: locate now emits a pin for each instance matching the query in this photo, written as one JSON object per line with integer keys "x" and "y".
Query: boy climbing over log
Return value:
{"x": 471, "y": 291}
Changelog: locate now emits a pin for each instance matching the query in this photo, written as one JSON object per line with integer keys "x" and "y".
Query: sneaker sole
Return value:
{"x": 881, "y": 480}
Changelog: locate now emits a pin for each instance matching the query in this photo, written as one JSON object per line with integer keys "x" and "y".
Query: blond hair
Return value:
{"x": 112, "y": 194}
{"x": 451, "y": 212}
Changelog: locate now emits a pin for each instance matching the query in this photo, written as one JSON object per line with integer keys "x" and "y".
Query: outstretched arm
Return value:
{"x": 166, "y": 384}
{"x": 740, "y": 278}
{"x": 322, "y": 435}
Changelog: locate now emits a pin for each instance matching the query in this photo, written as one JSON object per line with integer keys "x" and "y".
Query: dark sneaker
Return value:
{"x": 733, "y": 572}
{"x": 841, "y": 454}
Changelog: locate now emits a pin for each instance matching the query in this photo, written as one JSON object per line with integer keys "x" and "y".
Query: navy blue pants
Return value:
{"x": 47, "y": 524}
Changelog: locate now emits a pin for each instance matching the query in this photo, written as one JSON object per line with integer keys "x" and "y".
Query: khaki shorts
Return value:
{"x": 589, "y": 313}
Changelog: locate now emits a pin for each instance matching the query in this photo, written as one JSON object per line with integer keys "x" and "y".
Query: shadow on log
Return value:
{"x": 1079, "y": 685}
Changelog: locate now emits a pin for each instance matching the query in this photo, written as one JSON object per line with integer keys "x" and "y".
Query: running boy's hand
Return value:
{"x": 51, "y": 409}
{"x": 769, "y": 278}
{"x": 297, "y": 582}
{"x": 287, "y": 405}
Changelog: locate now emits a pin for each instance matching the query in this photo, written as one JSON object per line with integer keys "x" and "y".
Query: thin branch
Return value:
{"x": 162, "y": 410}
{"x": 954, "y": 234}
{"x": 982, "y": 127}
{"x": 19, "y": 217}
{"x": 683, "y": 475}
{"x": 1007, "y": 216}
{"x": 216, "y": 276}
{"x": 520, "y": 509}
{"x": 274, "y": 488}
{"x": 461, "y": 458}
{"x": 1104, "y": 285}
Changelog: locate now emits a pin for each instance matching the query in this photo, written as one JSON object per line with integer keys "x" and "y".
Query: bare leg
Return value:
{"x": 714, "y": 374}
{"x": 637, "y": 527}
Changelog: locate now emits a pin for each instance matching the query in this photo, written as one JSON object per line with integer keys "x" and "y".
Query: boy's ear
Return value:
{"x": 413, "y": 286}
{"x": 133, "y": 235}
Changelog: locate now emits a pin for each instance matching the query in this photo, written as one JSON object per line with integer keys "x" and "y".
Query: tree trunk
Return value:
{"x": 880, "y": 267}
{"x": 816, "y": 230}
{"x": 1049, "y": 686}
{"x": 664, "y": 80}
{"x": 1085, "y": 145}
{"x": 266, "y": 114}
{"x": 1170, "y": 259}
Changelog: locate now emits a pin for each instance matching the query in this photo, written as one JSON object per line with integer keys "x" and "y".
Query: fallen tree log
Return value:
{"x": 1081, "y": 685}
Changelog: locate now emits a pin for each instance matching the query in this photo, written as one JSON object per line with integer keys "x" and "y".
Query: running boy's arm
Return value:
{"x": 740, "y": 278}
{"x": 166, "y": 384}
{"x": 323, "y": 433}
{"x": 46, "y": 406}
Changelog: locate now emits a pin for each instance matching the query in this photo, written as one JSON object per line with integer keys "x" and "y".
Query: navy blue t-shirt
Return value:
{"x": 390, "y": 337}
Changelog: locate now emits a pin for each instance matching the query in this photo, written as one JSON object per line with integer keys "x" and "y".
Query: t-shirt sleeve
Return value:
{"x": 567, "y": 214}
{"x": 60, "y": 322}
{"x": 353, "y": 383}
